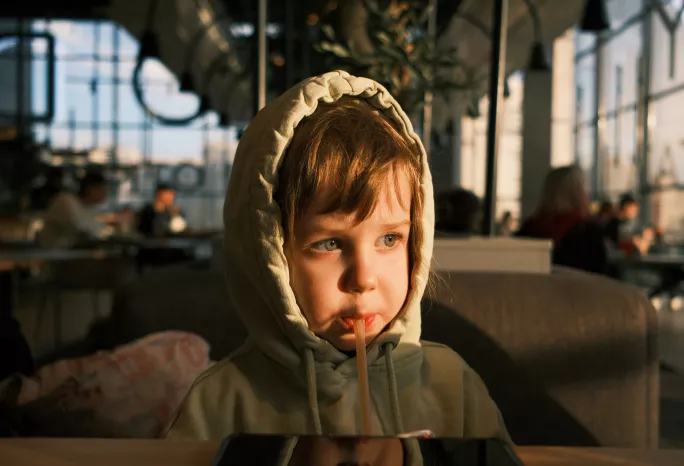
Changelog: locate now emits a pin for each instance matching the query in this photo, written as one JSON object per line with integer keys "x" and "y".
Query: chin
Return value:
{"x": 345, "y": 344}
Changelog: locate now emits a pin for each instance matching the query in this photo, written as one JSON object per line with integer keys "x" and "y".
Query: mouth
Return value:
{"x": 348, "y": 322}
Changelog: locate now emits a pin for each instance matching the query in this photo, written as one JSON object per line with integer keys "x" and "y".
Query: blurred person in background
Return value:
{"x": 162, "y": 217}
{"x": 126, "y": 216}
{"x": 458, "y": 212}
{"x": 71, "y": 218}
{"x": 42, "y": 196}
{"x": 505, "y": 225}
{"x": 606, "y": 213}
{"x": 624, "y": 231}
{"x": 563, "y": 216}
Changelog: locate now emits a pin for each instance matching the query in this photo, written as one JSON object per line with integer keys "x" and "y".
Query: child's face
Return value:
{"x": 341, "y": 270}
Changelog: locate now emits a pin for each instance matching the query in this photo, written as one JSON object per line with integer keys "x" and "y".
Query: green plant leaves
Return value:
{"x": 405, "y": 58}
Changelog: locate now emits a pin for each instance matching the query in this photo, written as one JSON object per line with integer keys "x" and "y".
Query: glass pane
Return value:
{"x": 105, "y": 70}
{"x": 105, "y": 103}
{"x": 65, "y": 138}
{"x": 509, "y": 167}
{"x": 585, "y": 42}
{"x": 128, "y": 45}
{"x": 474, "y": 145}
{"x": 620, "y": 11}
{"x": 106, "y": 39}
{"x": 666, "y": 153}
{"x": 39, "y": 77}
{"x": 129, "y": 109}
{"x": 585, "y": 150}
{"x": 585, "y": 81}
{"x": 667, "y": 70}
{"x": 620, "y": 69}
{"x": 170, "y": 145}
{"x": 73, "y": 37}
{"x": 76, "y": 102}
{"x": 620, "y": 167}
{"x": 41, "y": 133}
{"x": 39, "y": 25}
{"x": 130, "y": 144}
{"x": 102, "y": 139}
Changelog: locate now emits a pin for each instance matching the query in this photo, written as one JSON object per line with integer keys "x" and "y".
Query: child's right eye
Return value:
{"x": 326, "y": 245}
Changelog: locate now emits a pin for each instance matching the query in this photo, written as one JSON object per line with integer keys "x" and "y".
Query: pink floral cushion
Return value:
{"x": 131, "y": 391}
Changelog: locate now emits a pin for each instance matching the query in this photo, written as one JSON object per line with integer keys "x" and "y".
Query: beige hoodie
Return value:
{"x": 285, "y": 379}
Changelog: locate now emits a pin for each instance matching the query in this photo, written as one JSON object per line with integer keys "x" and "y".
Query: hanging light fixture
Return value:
{"x": 187, "y": 82}
{"x": 149, "y": 45}
{"x": 149, "y": 49}
{"x": 204, "y": 104}
{"x": 595, "y": 17}
{"x": 538, "y": 60}
{"x": 224, "y": 120}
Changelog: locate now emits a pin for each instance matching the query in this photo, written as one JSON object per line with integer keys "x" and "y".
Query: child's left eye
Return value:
{"x": 390, "y": 240}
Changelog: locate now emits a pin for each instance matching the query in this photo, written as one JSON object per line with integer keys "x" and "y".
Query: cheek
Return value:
{"x": 314, "y": 283}
{"x": 402, "y": 271}
{"x": 396, "y": 278}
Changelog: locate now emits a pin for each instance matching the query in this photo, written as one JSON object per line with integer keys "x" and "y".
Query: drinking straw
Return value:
{"x": 362, "y": 368}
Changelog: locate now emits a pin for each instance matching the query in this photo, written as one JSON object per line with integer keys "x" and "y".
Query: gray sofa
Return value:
{"x": 570, "y": 358}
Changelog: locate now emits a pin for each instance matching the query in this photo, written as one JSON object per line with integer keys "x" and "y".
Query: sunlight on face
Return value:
{"x": 341, "y": 270}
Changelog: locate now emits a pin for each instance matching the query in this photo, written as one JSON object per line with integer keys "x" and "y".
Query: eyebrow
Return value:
{"x": 395, "y": 225}
{"x": 323, "y": 229}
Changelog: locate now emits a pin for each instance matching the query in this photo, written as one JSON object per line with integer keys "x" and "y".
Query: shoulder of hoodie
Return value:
{"x": 437, "y": 352}
{"x": 225, "y": 370}
{"x": 448, "y": 361}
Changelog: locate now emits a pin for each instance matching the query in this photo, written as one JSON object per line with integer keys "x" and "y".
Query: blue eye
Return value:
{"x": 327, "y": 245}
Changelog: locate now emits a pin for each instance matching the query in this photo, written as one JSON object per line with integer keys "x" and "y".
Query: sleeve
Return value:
{"x": 83, "y": 220}
{"x": 189, "y": 423}
{"x": 209, "y": 410}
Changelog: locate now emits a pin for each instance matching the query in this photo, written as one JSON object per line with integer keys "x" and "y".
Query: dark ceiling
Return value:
{"x": 239, "y": 10}
{"x": 64, "y": 9}
{"x": 244, "y": 10}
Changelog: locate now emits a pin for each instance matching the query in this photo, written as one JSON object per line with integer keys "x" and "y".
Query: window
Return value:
{"x": 97, "y": 112}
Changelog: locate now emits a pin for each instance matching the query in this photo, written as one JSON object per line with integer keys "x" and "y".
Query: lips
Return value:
{"x": 349, "y": 321}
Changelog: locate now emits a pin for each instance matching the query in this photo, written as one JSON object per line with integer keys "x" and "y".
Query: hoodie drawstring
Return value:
{"x": 393, "y": 390}
{"x": 391, "y": 382}
{"x": 312, "y": 391}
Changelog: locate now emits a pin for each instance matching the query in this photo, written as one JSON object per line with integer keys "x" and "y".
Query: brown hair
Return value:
{"x": 344, "y": 151}
{"x": 564, "y": 191}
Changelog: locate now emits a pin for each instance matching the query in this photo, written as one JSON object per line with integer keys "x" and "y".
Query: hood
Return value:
{"x": 254, "y": 261}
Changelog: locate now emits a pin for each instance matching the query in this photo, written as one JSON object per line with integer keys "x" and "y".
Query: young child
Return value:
{"x": 329, "y": 218}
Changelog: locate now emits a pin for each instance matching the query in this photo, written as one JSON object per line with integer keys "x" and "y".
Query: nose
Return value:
{"x": 361, "y": 275}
